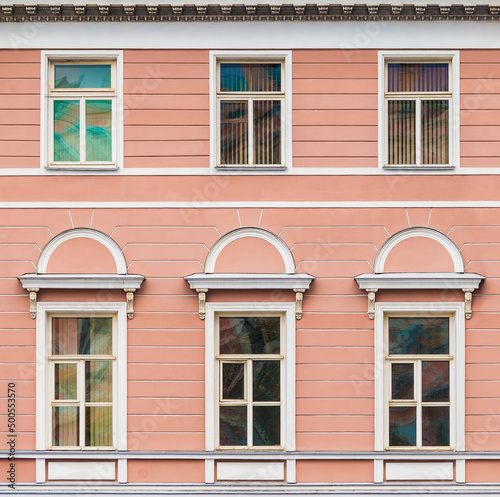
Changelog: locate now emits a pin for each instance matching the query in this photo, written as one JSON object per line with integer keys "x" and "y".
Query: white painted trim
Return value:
{"x": 255, "y": 35}
{"x": 47, "y": 56}
{"x": 250, "y": 471}
{"x": 209, "y": 471}
{"x": 44, "y": 312}
{"x": 40, "y": 469}
{"x": 456, "y": 311}
{"x": 378, "y": 471}
{"x": 245, "y": 281}
{"x": 295, "y": 171}
{"x": 122, "y": 470}
{"x": 81, "y": 470}
{"x": 236, "y": 234}
{"x": 271, "y": 55}
{"x": 453, "y": 56}
{"x": 98, "y": 236}
{"x": 211, "y": 399}
{"x": 433, "y": 234}
{"x": 83, "y": 281}
{"x": 291, "y": 471}
{"x": 460, "y": 470}
{"x": 420, "y": 281}
{"x": 401, "y": 471}
{"x": 301, "y": 204}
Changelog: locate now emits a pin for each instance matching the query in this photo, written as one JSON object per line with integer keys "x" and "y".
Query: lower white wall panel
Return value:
{"x": 418, "y": 471}
{"x": 251, "y": 471}
{"x": 85, "y": 470}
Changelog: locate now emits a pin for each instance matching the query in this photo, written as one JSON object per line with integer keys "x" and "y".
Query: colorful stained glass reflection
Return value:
{"x": 402, "y": 426}
{"x": 419, "y": 335}
{"x": 435, "y": 426}
{"x": 402, "y": 381}
{"x": 266, "y": 425}
{"x": 233, "y": 425}
{"x": 249, "y": 335}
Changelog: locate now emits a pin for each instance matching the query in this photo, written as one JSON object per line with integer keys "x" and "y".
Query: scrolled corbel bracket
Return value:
{"x": 33, "y": 294}
{"x": 202, "y": 299}
{"x": 371, "y": 302}
{"x": 130, "y": 302}
{"x": 468, "y": 302}
{"x": 299, "y": 298}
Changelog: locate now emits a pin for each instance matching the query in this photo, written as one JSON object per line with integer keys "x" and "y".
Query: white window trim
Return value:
{"x": 248, "y": 55}
{"x": 457, "y": 410}
{"x": 49, "y": 56}
{"x": 288, "y": 381}
{"x": 453, "y": 56}
{"x": 45, "y": 310}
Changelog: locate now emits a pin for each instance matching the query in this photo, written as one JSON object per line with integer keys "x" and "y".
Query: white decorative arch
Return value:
{"x": 236, "y": 234}
{"x": 98, "y": 236}
{"x": 433, "y": 234}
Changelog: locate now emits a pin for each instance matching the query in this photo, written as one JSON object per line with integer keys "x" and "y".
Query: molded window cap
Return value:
{"x": 421, "y": 281}
{"x": 81, "y": 281}
{"x": 249, "y": 281}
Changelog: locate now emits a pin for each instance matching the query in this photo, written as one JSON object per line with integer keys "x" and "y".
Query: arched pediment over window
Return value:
{"x": 250, "y": 259}
{"x": 419, "y": 258}
{"x": 81, "y": 258}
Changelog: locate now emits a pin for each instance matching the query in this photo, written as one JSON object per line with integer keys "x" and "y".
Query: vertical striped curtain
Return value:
{"x": 267, "y": 132}
{"x": 234, "y": 133}
{"x": 434, "y": 114}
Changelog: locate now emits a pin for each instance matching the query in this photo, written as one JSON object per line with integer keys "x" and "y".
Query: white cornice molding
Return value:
{"x": 81, "y": 281}
{"x": 419, "y": 281}
{"x": 240, "y": 281}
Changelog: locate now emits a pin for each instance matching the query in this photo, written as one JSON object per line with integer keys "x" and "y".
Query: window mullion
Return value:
{"x": 418, "y": 131}
{"x": 83, "y": 129}
{"x": 81, "y": 399}
{"x": 250, "y": 132}
{"x": 249, "y": 377}
{"x": 418, "y": 398}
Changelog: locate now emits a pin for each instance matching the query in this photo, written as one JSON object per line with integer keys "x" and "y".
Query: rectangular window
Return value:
{"x": 81, "y": 365}
{"x": 419, "y": 110}
{"x": 249, "y": 367}
{"x": 251, "y": 108}
{"x": 82, "y": 111}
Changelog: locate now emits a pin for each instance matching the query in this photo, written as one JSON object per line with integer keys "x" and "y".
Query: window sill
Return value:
{"x": 79, "y": 167}
{"x": 250, "y": 168}
{"x": 429, "y": 167}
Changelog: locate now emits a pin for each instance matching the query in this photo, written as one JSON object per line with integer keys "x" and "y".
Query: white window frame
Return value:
{"x": 456, "y": 313}
{"x": 413, "y": 56}
{"x": 213, "y": 311}
{"x": 48, "y": 95}
{"x": 44, "y": 375}
{"x": 251, "y": 56}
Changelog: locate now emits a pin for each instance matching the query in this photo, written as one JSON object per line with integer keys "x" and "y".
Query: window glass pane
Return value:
{"x": 435, "y": 426}
{"x": 249, "y": 335}
{"x": 98, "y": 130}
{"x": 65, "y": 422}
{"x": 267, "y": 132}
{"x": 66, "y": 130}
{"x": 250, "y": 77}
{"x": 417, "y": 77}
{"x": 435, "y": 381}
{"x": 234, "y": 133}
{"x": 401, "y": 132}
{"x": 71, "y": 336}
{"x": 435, "y": 132}
{"x": 402, "y": 381}
{"x": 82, "y": 76}
{"x": 266, "y": 381}
{"x": 402, "y": 426}
{"x": 266, "y": 425}
{"x": 65, "y": 381}
{"x": 233, "y": 425}
{"x": 233, "y": 381}
{"x": 418, "y": 335}
{"x": 98, "y": 426}
{"x": 98, "y": 381}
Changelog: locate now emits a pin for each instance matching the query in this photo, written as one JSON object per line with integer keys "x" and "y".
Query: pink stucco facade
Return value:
{"x": 333, "y": 212}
